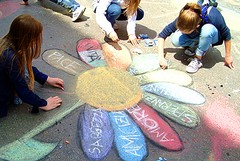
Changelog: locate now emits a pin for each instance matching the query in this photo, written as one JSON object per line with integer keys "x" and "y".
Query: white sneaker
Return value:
{"x": 194, "y": 65}
{"x": 78, "y": 13}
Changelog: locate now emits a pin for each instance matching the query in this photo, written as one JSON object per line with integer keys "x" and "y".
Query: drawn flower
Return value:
{"x": 133, "y": 110}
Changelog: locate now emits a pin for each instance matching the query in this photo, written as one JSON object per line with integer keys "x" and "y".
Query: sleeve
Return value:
{"x": 131, "y": 24}
{"x": 168, "y": 30}
{"x": 101, "y": 18}
{"x": 39, "y": 76}
{"x": 218, "y": 21}
{"x": 20, "y": 84}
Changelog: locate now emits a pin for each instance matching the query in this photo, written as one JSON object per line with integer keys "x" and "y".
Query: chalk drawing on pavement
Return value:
{"x": 8, "y": 7}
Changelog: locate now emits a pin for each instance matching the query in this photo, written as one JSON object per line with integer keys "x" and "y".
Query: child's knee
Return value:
{"x": 208, "y": 30}
{"x": 175, "y": 42}
{"x": 175, "y": 38}
{"x": 115, "y": 10}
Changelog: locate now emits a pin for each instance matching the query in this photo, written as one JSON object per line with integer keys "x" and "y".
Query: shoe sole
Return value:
{"x": 80, "y": 15}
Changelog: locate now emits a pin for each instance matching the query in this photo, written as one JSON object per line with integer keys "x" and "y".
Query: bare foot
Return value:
{"x": 23, "y": 3}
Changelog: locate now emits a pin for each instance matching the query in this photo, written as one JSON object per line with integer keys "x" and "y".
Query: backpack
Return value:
{"x": 204, "y": 15}
{"x": 205, "y": 7}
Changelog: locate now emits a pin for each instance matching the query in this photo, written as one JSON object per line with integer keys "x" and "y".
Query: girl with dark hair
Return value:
{"x": 18, "y": 48}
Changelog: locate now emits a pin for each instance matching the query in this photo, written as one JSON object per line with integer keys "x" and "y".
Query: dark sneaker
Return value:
{"x": 194, "y": 65}
{"x": 189, "y": 52}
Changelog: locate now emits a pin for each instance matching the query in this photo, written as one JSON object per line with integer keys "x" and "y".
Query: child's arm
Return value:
{"x": 162, "y": 60}
{"x": 42, "y": 78}
{"x": 18, "y": 81}
{"x": 166, "y": 32}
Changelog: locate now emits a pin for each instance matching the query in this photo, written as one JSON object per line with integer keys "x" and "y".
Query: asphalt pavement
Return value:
{"x": 216, "y": 138}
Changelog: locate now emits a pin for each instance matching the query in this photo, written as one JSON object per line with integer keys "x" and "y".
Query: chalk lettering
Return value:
{"x": 134, "y": 151}
{"x": 97, "y": 118}
{"x": 56, "y": 56}
{"x": 96, "y": 144}
{"x": 94, "y": 149}
{"x": 157, "y": 102}
{"x": 95, "y": 130}
{"x": 131, "y": 139}
{"x": 177, "y": 111}
{"x": 189, "y": 117}
{"x": 150, "y": 124}
{"x": 161, "y": 135}
{"x": 159, "y": 91}
{"x": 64, "y": 62}
{"x": 130, "y": 147}
{"x": 96, "y": 133}
{"x": 138, "y": 113}
{"x": 165, "y": 139}
{"x": 72, "y": 66}
{"x": 93, "y": 55}
{"x": 122, "y": 121}
{"x": 171, "y": 109}
{"x": 133, "y": 108}
{"x": 96, "y": 122}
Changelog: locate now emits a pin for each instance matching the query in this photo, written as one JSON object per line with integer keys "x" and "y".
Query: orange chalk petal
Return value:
{"x": 117, "y": 55}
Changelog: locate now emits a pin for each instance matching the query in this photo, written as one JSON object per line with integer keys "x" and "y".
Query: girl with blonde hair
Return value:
{"x": 108, "y": 11}
{"x": 18, "y": 48}
{"x": 196, "y": 29}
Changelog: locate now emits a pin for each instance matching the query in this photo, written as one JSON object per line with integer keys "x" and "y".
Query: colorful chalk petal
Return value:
{"x": 129, "y": 140}
{"x": 90, "y": 51}
{"x": 87, "y": 44}
{"x": 144, "y": 63}
{"x": 117, "y": 55}
{"x": 167, "y": 75}
{"x": 94, "y": 58}
{"x": 7, "y": 8}
{"x": 62, "y": 60}
{"x": 154, "y": 127}
{"x": 30, "y": 150}
{"x": 108, "y": 88}
{"x": 95, "y": 131}
{"x": 175, "y": 92}
{"x": 98, "y": 63}
{"x": 177, "y": 112}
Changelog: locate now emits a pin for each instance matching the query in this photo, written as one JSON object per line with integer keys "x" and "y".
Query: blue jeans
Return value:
{"x": 72, "y": 5}
{"x": 207, "y": 37}
{"x": 114, "y": 12}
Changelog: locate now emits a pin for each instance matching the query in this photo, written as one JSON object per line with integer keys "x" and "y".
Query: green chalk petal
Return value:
{"x": 29, "y": 150}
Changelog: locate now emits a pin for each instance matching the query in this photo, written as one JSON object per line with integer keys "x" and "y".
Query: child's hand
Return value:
{"x": 133, "y": 39}
{"x": 52, "y": 103}
{"x": 56, "y": 82}
{"x": 113, "y": 35}
{"x": 229, "y": 62}
{"x": 163, "y": 63}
